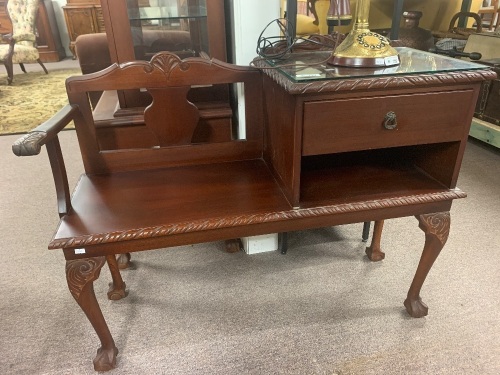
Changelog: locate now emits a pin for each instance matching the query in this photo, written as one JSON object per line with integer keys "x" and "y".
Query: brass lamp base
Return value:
{"x": 364, "y": 49}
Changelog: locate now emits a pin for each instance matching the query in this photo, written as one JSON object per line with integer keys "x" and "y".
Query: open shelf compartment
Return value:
{"x": 373, "y": 174}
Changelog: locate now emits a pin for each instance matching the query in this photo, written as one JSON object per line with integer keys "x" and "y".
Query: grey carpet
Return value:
{"x": 321, "y": 309}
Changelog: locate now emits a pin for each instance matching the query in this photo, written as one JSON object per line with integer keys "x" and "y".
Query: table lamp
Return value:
{"x": 362, "y": 48}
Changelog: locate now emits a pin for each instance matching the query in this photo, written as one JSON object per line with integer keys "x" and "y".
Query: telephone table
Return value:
{"x": 324, "y": 146}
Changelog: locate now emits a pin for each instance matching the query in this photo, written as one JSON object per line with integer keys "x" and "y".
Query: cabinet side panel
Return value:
{"x": 216, "y": 29}
{"x": 118, "y": 30}
{"x": 446, "y": 164}
{"x": 48, "y": 40}
{"x": 282, "y": 144}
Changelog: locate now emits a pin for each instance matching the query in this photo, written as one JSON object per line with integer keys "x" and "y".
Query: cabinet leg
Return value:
{"x": 124, "y": 261}
{"x": 366, "y": 231}
{"x": 81, "y": 274}
{"x": 374, "y": 251}
{"x": 117, "y": 287}
{"x": 283, "y": 242}
{"x": 73, "y": 50}
{"x": 436, "y": 227}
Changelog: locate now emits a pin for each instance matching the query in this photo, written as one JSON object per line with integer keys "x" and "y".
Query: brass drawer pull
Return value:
{"x": 390, "y": 121}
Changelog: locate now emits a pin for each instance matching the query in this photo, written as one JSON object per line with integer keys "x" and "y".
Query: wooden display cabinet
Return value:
{"x": 48, "y": 39}
{"x": 138, "y": 29}
{"x": 82, "y": 17}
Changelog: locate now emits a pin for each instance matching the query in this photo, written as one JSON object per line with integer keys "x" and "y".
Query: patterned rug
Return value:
{"x": 32, "y": 99}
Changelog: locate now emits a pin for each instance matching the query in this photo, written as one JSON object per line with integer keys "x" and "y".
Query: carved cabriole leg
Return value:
{"x": 436, "y": 228}
{"x": 117, "y": 287}
{"x": 124, "y": 261}
{"x": 373, "y": 251}
{"x": 81, "y": 274}
{"x": 10, "y": 70}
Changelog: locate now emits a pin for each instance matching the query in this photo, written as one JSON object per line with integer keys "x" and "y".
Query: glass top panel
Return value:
{"x": 178, "y": 26}
{"x": 311, "y": 66}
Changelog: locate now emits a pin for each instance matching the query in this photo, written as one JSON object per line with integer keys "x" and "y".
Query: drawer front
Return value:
{"x": 357, "y": 124}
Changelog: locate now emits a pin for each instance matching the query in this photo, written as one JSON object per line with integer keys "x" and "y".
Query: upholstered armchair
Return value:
{"x": 20, "y": 47}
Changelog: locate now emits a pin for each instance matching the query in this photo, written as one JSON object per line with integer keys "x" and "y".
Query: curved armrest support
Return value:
{"x": 31, "y": 143}
{"x": 7, "y": 38}
{"x": 46, "y": 134}
{"x": 28, "y": 37}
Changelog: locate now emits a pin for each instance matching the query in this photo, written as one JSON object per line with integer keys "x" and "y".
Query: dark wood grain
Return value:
{"x": 358, "y": 123}
{"x": 313, "y": 156}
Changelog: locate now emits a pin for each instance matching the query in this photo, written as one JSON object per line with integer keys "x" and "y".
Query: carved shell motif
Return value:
{"x": 80, "y": 272}
{"x": 437, "y": 224}
{"x": 166, "y": 62}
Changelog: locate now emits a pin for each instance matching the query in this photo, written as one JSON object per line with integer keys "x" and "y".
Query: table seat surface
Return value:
{"x": 148, "y": 198}
{"x": 162, "y": 202}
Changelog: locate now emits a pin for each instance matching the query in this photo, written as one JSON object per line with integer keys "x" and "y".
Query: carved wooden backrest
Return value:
{"x": 170, "y": 117}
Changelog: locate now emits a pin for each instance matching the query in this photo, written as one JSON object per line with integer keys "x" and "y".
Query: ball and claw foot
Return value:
{"x": 374, "y": 254}
{"x": 105, "y": 359}
{"x": 416, "y": 308}
{"x": 116, "y": 294}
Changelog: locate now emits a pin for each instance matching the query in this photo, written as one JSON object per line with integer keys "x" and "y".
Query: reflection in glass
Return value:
{"x": 178, "y": 26}
{"x": 311, "y": 66}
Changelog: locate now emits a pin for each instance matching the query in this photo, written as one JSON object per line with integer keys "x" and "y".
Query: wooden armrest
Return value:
{"x": 46, "y": 134}
{"x": 31, "y": 143}
{"x": 28, "y": 37}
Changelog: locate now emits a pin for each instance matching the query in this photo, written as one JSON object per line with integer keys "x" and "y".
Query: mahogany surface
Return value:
{"x": 282, "y": 177}
{"x": 158, "y": 197}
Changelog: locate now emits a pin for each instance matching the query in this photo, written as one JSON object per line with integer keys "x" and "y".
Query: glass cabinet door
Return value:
{"x": 137, "y": 29}
{"x": 179, "y": 26}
